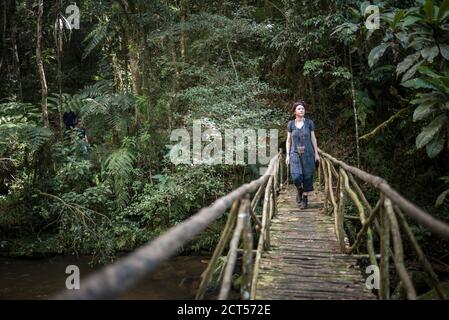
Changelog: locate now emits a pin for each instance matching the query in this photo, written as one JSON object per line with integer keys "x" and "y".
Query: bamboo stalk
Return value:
{"x": 224, "y": 238}
{"x": 399, "y": 251}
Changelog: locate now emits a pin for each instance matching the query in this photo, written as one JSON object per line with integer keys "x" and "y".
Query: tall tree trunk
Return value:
{"x": 16, "y": 60}
{"x": 59, "y": 41}
{"x": 40, "y": 64}
{"x": 137, "y": 83}
{"x": 4, "y": 6}
{"x": 354, "y": 106}
{"x": 117, "y": 76}
{"x": 184, "y": 12}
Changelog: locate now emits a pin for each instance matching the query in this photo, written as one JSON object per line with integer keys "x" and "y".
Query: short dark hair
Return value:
{"x": 299, "y": 103}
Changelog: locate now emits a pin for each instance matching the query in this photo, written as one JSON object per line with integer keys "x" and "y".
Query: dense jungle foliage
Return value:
{"x": 136, "y": 69}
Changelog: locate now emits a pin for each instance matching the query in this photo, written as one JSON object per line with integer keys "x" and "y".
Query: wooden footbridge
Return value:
{"x": 277, "y": 251}
{"x": 305, "y": 261}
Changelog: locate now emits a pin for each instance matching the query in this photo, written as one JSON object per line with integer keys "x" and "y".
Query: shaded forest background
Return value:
{"x": 135, "y": 70}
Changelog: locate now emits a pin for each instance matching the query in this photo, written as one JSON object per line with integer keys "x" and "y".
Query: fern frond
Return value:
{"x": 99, "y": 88}
{"x": 118, "y": 168}
{"x": 97, "y": 36}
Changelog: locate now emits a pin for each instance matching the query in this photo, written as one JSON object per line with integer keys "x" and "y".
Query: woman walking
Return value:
{"x": 302, "y": 152}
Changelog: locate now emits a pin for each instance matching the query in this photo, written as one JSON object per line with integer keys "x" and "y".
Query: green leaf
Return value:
{"x": 430, "y": 53}
{"x": 441, "y": 198}
{"x": 407, "y": 62}
{"x": 429, "y": 132}
{"x": 418, "y": 84}
{"x": 411, "y": 72}
{"x": 429, "y": 9}
{"x": 434, "y": 147}
{"x": 444, "y": 10}
{"x": 377, "y": 53}
{"x": 409, "y": 20}
{"x": 428, "y": 72}
{"x": 444, "y": 50}
{"x": 423, "y": 111}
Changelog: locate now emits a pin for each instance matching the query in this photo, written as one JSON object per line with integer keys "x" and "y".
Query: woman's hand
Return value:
{"x": 317, "y": 157}
{"x": 287, "y": 160}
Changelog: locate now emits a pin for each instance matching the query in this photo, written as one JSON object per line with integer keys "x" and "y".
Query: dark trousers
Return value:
{"x": 306, "y": 181}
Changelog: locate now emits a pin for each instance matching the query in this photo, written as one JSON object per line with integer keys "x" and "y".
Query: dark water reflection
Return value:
{"x": 177, "y": 278}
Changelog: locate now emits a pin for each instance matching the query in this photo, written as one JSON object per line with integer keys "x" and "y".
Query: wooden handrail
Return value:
{"x": 387, "y": 218}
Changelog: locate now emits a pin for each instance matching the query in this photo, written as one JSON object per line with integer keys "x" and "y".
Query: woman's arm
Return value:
{"x": 315, "y": 145}
{"x": 287, "y": 147}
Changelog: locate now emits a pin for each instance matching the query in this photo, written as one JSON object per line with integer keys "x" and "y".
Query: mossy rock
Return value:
{"x": 432, "y": 294}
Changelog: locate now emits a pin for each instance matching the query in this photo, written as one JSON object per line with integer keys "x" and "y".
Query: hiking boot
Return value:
{"x": 299, "y": 195}
{"x": 304, "y": 202}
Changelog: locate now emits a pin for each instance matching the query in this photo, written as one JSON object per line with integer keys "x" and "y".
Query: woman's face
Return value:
{"x": 300, "y": 111}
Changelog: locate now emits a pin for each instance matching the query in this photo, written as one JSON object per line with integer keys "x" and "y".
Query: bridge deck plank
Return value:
{"x": 305, "y": 261}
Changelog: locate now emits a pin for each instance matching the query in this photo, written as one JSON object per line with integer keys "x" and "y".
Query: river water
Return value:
{"x": 177, "y": 278}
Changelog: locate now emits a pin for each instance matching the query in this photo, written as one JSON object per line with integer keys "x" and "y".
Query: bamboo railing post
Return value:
{"x": 437, "y": 226}
{"x": 266, "y": 215}
{"x": 274, "y": 213}
{"x": 281, "y": 172}
{"x": 258, "y": 195}
{"x": 369, "y": 221}
{"x": 326, "y": 186}
{"x": 247, "y": 265}
{"x": 224, "y": 238}
{"x": 263, "y": 242}
{"x": 420, "y": 254}
{"x": 339, "y": 217}
{"x": 331, "y": 190}
{"x": 359, "y": 191}
{"x": 319, "y": 176}
{"x": 399, "y": 251}
{"x": 361, "y": 210}
{"x": 230, "y": 264}
{"x": 385, "y": 255}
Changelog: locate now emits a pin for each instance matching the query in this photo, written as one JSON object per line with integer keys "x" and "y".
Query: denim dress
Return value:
{"x": 305, "y": 164}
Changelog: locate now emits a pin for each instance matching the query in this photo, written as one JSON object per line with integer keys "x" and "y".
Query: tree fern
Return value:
{"x": 118, "y": 168}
